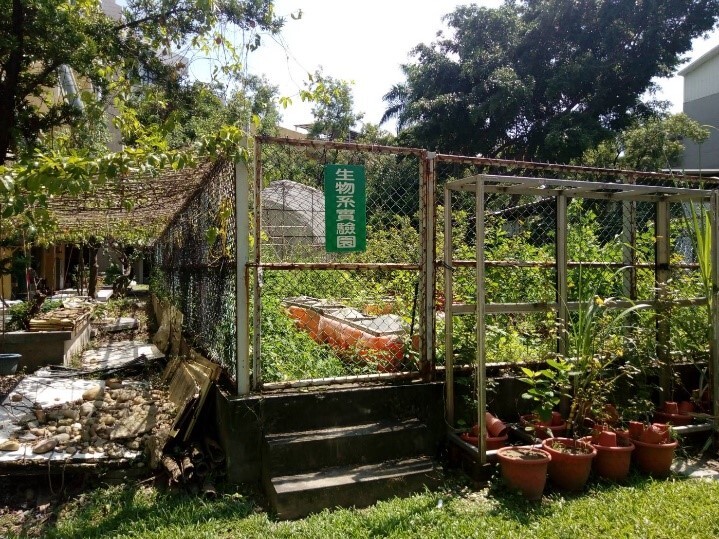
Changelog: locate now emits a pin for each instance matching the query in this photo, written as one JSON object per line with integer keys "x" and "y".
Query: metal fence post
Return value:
{"x": 256, "y": 303}
{"x": 448, "y": 294}
{"x": 242, "y": 257}
{"x": 481, "y": 374}
{"x": 428, "y": 277}
{"x": 661, "y": 276}
{"x": 561, "y": 273}
{"x": 714, "y": 303}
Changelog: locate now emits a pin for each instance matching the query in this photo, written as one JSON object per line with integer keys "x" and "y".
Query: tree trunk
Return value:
{"x": 93, "y": 248}
{"x": 9, "y": 83}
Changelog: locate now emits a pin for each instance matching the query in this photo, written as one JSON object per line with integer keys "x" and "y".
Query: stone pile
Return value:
{"x": 109, "y": 419}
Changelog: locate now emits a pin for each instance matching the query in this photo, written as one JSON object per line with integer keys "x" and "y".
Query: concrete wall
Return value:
{"x": 703, "y": 156}
{"x": 41, "y": 348}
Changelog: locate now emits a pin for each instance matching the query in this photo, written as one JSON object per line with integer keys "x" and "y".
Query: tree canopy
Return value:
{"x": 649, "y": 145}
{"x": 51, "y": 140}
{"x": 542, "y": 79}
{"x": 45, "y": 40}
{"x": 333, "y": 112}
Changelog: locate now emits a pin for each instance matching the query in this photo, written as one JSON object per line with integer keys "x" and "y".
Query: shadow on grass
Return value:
{"x": 513, "y": 506}
{"x": 111, "y": 510}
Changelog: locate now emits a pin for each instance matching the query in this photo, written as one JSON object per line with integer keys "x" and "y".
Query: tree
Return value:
{"x": 41, "y": 39}
{"x": 333, "y": 111}
{"x": 542, "y": 79}
{"x": 648, "y": 145}
{"x": 198, "y": 109}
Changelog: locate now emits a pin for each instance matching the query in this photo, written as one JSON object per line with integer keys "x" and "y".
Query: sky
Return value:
{"x": 366, "y": 42}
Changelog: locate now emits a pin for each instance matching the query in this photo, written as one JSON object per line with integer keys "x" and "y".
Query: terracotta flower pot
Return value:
{"x": 571, "y": 462}
{"x": 670, "y": 407}
{"x": 686, "y": 407}
{"x": 675, "y": 419}
{"x": 613, "y": 461}
{"x": 493, "y": 442}
{"x": 606, "y": 438}
{"x": 540, "y": 427}
{"x": 495, "y": 426}
{"x": 524, "y": 469}
{"x": 654, "y": 459}
{"x": 636, "y": 428}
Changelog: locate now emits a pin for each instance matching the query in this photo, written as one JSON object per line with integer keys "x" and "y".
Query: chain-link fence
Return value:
{"x": 195, "y": 266}
{"x": 338, "y": 284}
{"x": 620, "y": 246}
{"x": 319, "y": 311}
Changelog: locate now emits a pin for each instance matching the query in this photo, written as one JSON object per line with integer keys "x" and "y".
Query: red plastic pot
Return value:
{"x": 636, "y": 428}
{"x": 677, "y": 419}
{"x": 540, "y": 427}
{"x": 654, "y": 459}
{"x": 686, "y": 407}
{"x": 495, "y": 426}
{"x": 571, "y": 462}
{"x": 524, "y": 469}
{"x": 613, "y": 461}
{"x": 670, "y": 407}
{"x": 493, "y": 442}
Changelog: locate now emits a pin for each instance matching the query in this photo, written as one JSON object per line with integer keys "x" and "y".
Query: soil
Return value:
{"x": 524, "y": 454}
{"x": 570, "y": 449}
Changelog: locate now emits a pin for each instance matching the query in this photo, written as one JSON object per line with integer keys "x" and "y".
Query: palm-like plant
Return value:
{"x": 596, "y": 369}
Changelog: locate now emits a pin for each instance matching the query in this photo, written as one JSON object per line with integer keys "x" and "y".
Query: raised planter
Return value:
{"x": 41, "y": 348}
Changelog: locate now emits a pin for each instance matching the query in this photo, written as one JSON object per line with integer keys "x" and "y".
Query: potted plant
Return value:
{"x": 545, "y": 391}
{"x": 524, "y": 469}
{"x": 614, "y": 455}
{"x": 654, "y": 447}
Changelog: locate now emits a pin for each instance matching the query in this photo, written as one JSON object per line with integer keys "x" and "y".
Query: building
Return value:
{"x": 701, "y": 102}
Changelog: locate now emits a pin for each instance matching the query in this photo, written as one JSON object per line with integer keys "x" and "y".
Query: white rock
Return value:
{"x": 93, "y": 393}
{"x": 44, "y": 446}
{"x": 9, "y": 445}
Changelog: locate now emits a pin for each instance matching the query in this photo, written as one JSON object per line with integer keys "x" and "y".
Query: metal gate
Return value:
{"x": 319, "y": 316}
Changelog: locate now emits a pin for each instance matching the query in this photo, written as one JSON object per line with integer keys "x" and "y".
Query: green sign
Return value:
{"x": 345, "y": 208}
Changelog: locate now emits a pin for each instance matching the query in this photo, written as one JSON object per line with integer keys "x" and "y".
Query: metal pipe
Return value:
{"x": 481, "y": 374}
{"x": 448, "y": 295}
{"x": 242, "y": 256}
{"x": 257, "y": 282}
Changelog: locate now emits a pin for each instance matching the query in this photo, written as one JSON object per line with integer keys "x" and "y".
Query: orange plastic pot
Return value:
{"x": 524, "y": 469}
{"x": 493, "y": 442}
{"x": 613, "y": 461}
{"x": 571, "y": 462}
{"x": 654, "y": 459}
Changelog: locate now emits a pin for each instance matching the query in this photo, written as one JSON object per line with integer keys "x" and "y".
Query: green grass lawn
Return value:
{"x": 676, "y": 508}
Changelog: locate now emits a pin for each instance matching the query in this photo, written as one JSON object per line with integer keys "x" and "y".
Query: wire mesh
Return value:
{"x": 326, "y": 314}
{"x": 195, "y": 266}
{"x": 615, "y": 253}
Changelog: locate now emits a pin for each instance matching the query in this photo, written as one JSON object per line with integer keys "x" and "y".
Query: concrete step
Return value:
{"x": 297, "y": 452}
{"x": 295, "y": 496}
{"x": 349, "y": 406}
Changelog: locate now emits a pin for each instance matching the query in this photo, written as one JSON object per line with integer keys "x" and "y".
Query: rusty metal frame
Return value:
{"x": 425, "y": 267}
{"x": 627, "y": 193}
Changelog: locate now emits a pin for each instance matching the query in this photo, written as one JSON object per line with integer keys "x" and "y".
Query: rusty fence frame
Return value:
{"x": 626, "y": 192}
{"x": 254, "y": 264}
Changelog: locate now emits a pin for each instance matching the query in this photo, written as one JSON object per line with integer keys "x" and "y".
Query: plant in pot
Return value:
{"x": 655, "y": 445}
{"x": 571, "y": 459}
{"x": 546, "y": 387}
{"x": 596, "y": 338}
{"x": 524, "y": 469}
